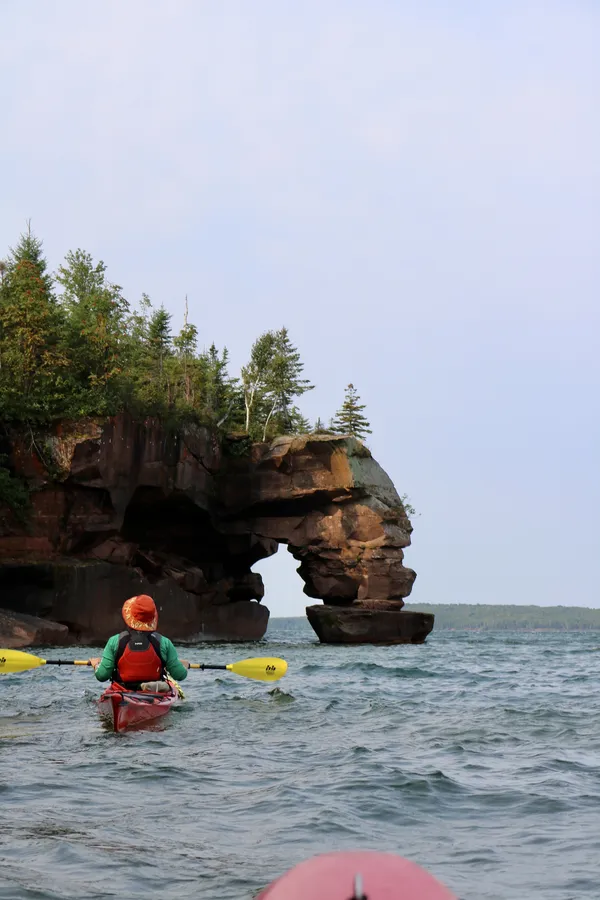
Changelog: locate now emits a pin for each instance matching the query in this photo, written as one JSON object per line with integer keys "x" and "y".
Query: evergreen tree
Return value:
{"x": 299, "y": 424}
{"x": 141, "y": 395}
{"x": 137, "y": 328}
{"x": 186, "y": 344}
{"x": 159, "y": 337}
{"x": 256, "y": 374}
{"x": 158, "y": 366}
{"x": 3, "y": 295}
{"x": 283, "y": 384}
{"x": 29, "y": 249}
{"x": 96, "y": 323}
{"x": 320, "y": 427}
{"x": 85, "y": 353}
{"x": 349, "y": 418}
{"x": 30, "y": 330}
{"x": 186, "y": 341}
{"x": 32, "y": 359}
{"x": 221, "y": 393}
{"x": 80, "y": 278}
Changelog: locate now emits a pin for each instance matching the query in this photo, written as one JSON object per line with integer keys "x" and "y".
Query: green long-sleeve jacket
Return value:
{"x": 167, "y": 651}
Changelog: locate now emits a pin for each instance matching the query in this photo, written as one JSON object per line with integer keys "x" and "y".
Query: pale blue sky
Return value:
{"x": 413, "y": 189}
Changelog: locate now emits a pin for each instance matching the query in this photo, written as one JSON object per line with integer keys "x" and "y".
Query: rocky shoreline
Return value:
{"x": 120, "y": 507}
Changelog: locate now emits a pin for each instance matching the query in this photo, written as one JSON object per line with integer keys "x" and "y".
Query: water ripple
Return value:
{"x": 475, "y": 755}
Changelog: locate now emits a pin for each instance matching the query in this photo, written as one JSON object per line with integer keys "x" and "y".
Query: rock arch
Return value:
{"x": 131, "y": 507}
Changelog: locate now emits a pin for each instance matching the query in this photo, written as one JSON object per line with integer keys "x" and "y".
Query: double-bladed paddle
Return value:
{"x": 263, "y": 668}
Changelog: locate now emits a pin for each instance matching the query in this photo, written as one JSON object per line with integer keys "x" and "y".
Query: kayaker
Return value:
{"x": 139, "y": 654}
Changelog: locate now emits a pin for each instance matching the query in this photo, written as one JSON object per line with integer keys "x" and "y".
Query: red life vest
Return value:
{"x": 138, "y": 658}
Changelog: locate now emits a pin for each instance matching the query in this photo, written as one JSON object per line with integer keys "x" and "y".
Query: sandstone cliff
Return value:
{"x": 119, "y": 507}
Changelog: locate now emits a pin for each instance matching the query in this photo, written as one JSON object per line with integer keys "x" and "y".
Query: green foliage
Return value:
{"x": 221, "y": 399}
{"x": 349, "y": 418}
{"x": 85, "y": 352}
{"x": 255, "y": 378}
{"x": 408, "y": 507}
{"x": 271, "y": 381}
{"x": 237, "y": 444}
{"x": 13, "y": 493}
{"x": 95, "y": 334}
{"x": 283, "y": 384}
{"x": 299, "y": 423}
{"x": 319, "y": 427}
{"x": 72, "y": 346}
{"x": 29, "y": 249}
{"x": 486, "y": 617}
{"x": 32, "y": 357}
{"x": 160, "y": 339}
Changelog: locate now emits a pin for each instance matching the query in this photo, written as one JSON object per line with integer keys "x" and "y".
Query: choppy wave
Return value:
{"x": 475, "y": 755}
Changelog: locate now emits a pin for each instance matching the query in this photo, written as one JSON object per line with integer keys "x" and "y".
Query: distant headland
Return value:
{"x": 487, "y": 617}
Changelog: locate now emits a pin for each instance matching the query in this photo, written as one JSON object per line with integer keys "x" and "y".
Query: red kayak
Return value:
{"x": 127, "y": 709}
{"x": 357, "y": 876}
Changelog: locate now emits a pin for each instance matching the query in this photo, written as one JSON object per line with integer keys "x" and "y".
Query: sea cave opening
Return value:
{"x": 284, "y": 595}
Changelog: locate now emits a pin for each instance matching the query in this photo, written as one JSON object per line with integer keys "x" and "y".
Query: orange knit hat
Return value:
{"x": 140, "y": 613}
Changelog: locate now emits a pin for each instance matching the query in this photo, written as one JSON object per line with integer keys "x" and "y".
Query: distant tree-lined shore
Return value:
{"x": 485, "y": 617}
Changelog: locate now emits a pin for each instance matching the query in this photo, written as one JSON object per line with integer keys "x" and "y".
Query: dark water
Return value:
{"x": 476, "y": 755}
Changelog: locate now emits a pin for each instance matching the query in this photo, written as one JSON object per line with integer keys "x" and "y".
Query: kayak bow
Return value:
{"x": 378, "y": 876}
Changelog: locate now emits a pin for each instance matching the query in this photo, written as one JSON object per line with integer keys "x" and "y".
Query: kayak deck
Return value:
{"x": 124, "y": 709}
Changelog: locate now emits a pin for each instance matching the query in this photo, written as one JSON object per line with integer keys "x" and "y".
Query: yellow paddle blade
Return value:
{"x": 263, "y": 668}
{"x": 17, "y": 661}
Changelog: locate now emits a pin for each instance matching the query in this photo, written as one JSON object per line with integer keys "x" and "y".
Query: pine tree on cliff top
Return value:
{"x": 186, "y": 347}
{"x": 33, "y": 356}
{"x": 96, "y": 325}
{"x": 321, "y": 428}
{"x": 271, "y": 381}
{"x": 284, "y": 383}
{"x": 29, "y": 249}
{"x": 221, "y": 393}
{"x": 255, "y": 376}
{"x": 159, "y": 337}
{"x": 349, "y": 418}
{"x": 298, "y": 423}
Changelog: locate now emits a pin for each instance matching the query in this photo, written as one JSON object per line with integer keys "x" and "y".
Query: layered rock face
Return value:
{"x": 120, "y": 508}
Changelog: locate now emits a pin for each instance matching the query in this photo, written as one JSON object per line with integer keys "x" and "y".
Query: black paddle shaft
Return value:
{"x": 76, "y": 662}
{"x": 66, "y": 662}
